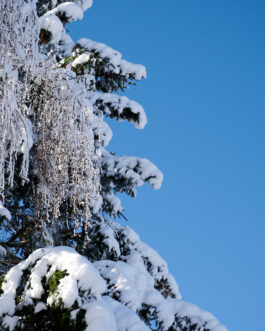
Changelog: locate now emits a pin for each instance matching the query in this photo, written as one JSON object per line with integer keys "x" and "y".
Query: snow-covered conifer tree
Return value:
{"x": 63, "y": 264}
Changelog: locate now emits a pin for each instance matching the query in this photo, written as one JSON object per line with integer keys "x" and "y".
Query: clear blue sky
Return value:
{"x": 205, "y": 102}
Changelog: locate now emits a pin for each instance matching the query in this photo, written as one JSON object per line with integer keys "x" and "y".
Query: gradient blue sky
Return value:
{"x": 204, "y": 98}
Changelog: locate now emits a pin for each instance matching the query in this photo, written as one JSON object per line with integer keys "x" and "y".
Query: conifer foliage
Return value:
{"x": 64, "y": 264}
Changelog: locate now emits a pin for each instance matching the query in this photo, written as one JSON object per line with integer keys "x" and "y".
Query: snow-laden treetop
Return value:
{"x": 64, "y": 264}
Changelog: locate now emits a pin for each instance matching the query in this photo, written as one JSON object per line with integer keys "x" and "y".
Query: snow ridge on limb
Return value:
{"x": 119, "y": 107}
{"x": 67, "y": 12}
{"x": 131, "y": 170}
{"x": 124, "y": 174}
{"x": 44, "y": 6}
{"x": 173, "y": 314}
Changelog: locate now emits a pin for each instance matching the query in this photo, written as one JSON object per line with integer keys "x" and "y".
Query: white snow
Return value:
{"x": 39, "y": 307}
{"x": 67, "y": 291}
{"x": 109, "y": 238}
{"x": 101, "y": 130}
{"x": 135, "y": 169}
{"x": 126, "y": 319}
{"x": 78, "y": 267}
{"x": 52, "y": 24}
{"x": 10, "y": 322}
{"x": 2, "y": 252}
{"x": 82, "y": 275}
{"x": 4, "y": 212}
{"x": 135, "y": 287}
{"x": 27, "y": 136}
{"x": 99, "y": 317}
{"x": 169, "y": 308}
{"x": 9, "y": 286}
{"x": 66, "y": 43}
{"x": 84, "y": 4}
{"x": 115, "y": 203}
{"x": 83, "y": 58}
{"x": 72, "y": 11}
{"x": 139, "y": 256}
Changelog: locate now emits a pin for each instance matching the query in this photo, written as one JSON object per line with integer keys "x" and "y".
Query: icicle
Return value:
{"x": 64, "y": 146}
{"x": 18, "y": 57}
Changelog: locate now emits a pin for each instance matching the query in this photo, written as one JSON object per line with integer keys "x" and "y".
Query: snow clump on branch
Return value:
{"x": 105, "y": 295}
